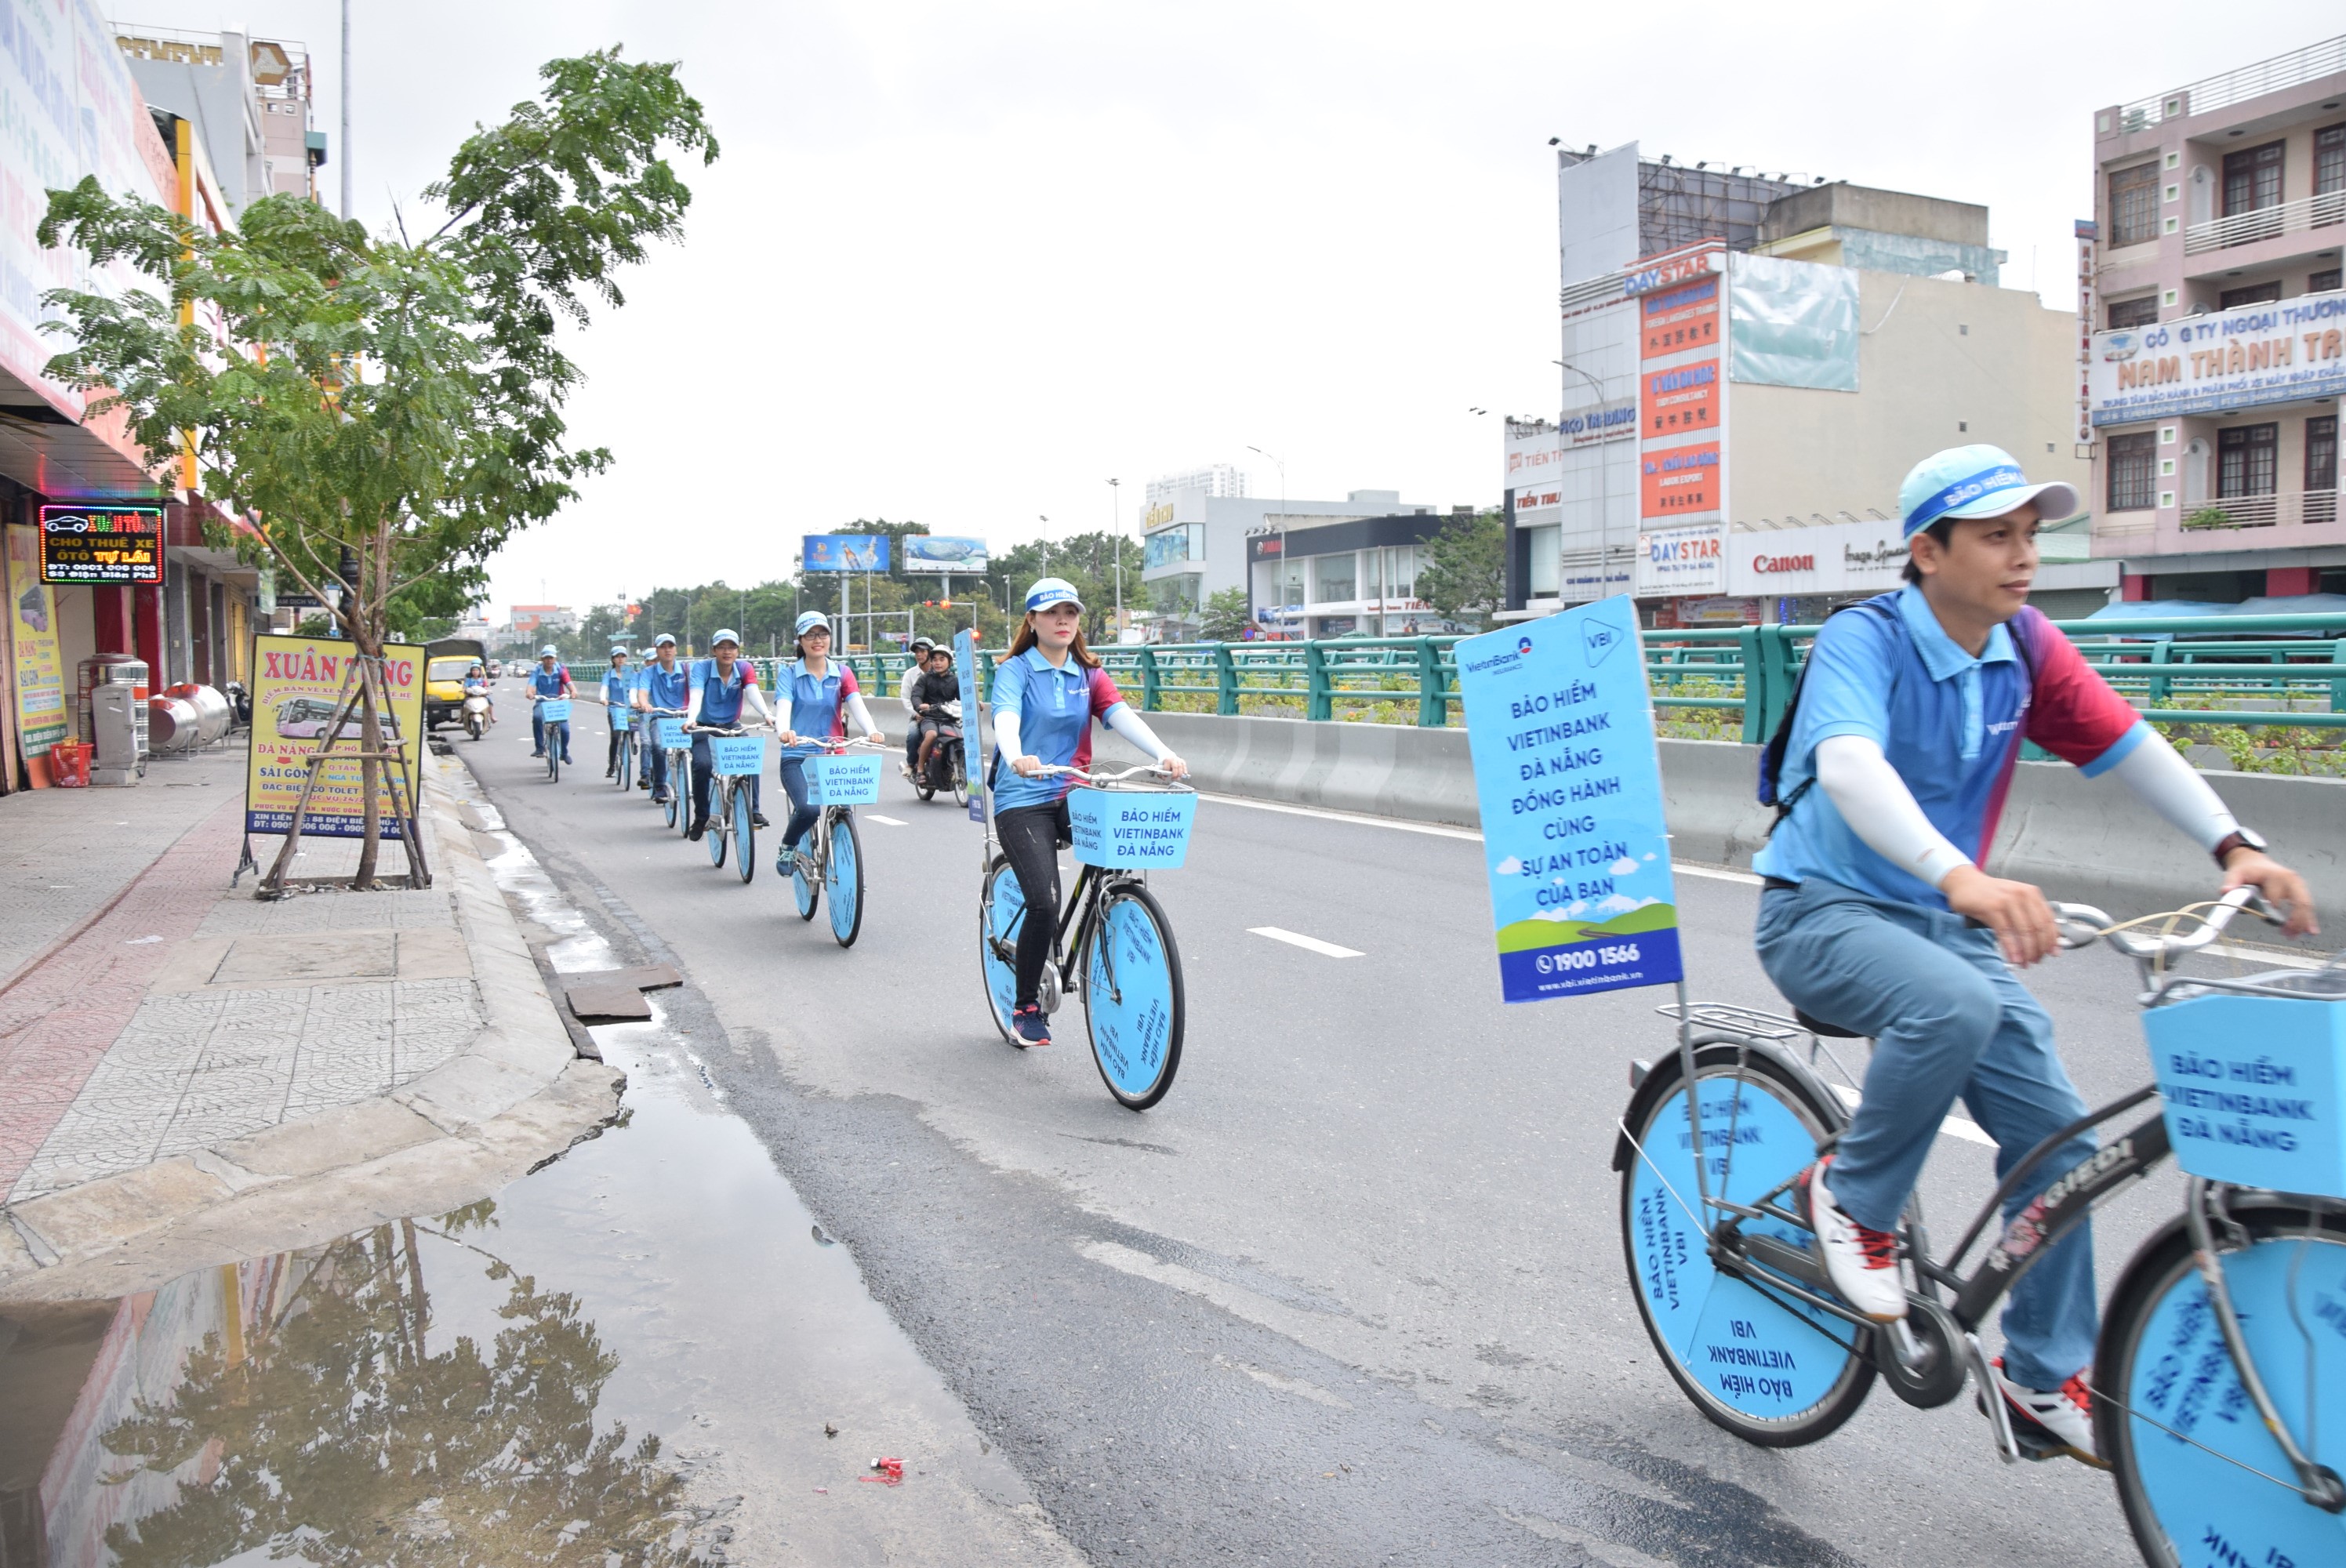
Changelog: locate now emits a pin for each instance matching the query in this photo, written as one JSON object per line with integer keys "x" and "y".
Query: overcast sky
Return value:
{"x": 964, "y": 263}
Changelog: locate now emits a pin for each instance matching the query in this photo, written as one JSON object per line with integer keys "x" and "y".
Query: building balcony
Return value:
{"x": 2230, "y": 513}
{"x": 2289, "y": 519}
{"x": 2267, "y": 223}
{"x": 2212, "y": 93}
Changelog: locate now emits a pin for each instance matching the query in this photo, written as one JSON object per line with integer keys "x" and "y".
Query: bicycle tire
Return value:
{"x": 626, "y": 769}
{"x": 721, "y": 820}
{"x": 745, "y": 834}
{"x": 1000, "y": 907}
{"x": 679, "y": 792}
{"x": 843, "y": 875}
{"x": 554, "y": 739}
{"x": 2161, "y": 1359}
{"x": 806, "y": 890}
{"x": 1134, "y": 1024}
{"x": 960, "y": 781}
{"x": 1773, "y": 1374}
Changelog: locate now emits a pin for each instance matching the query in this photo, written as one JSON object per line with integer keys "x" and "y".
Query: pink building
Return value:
{"x": 2214, "y": 336}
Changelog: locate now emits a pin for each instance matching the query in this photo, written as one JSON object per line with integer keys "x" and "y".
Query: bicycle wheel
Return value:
{"x": 806, "y": 889}
{"x": 680, "y": 791}
{"x": 721, "y": 820}
{"x": 556, "y": 736}
{"x": 960, "y": 781}
{"x": 2171, "y": 1415}
{"x": 745, "y": 834}
{"x": 626, "y": 769}
{"x": 1133, "y": 1003}
{"x": 1001, "y": 910}
{"x": 1768, "y": 1371}
{"x": 843, "y": 876}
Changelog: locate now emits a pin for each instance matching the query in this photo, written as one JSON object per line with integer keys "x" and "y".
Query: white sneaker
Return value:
{"x": 2063, "y": 1417}
{"x": 1862, "y": 1263}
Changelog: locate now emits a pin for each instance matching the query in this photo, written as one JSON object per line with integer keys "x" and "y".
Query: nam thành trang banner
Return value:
{"x": 297, "y": 689}
{"x": 1570, "y": 785}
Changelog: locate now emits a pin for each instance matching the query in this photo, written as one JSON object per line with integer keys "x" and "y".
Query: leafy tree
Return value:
{"x": 1225, "y": 619}
{"x": 1464, "y": 576}
{"x": 397, "y": 399}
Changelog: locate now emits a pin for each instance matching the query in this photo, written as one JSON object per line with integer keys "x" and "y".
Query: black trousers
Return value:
{"x": 1031, "y": 837}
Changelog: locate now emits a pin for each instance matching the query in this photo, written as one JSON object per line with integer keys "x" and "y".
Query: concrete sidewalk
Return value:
{"x": 188, "y": 1075}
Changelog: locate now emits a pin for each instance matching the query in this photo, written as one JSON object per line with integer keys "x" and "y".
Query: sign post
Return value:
{"x": 973, "y": 732}
{"x": 1561, "y": 725}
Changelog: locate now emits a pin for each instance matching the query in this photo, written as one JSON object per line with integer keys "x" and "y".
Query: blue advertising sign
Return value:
{"x": 737, "y": 756}
{"x": 944, "y": 553}
{"x": 1131, "y": 827}
{"x": 973, "y": 732}
{"x": 853, "y": 780}
{"x": 843, "y": 552}
{"x": 1570, "y": 785}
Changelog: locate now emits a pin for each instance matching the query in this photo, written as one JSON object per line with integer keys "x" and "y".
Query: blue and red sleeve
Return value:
{"x": 2073, "y": 712}
{"x": 1104, "y": 695}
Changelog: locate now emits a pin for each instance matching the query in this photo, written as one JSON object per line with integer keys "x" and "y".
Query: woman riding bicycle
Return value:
{"x": 822, "y": 696}
{"x": 719, "y": 684}
{"x": 1048, "y": 691}
{"x": 1878, "y": 919}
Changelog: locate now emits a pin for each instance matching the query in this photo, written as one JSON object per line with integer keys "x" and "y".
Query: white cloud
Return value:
{"x": 1510, "y": 867}
{"x": 1649, "y": 857}
{"x": 1619, "y": 903}
{"x": 1577, "y": 908}
{"x": 1624, "y": 866}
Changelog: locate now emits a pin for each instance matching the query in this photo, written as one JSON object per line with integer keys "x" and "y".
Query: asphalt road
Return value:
{"x": 1353, "y": 1293}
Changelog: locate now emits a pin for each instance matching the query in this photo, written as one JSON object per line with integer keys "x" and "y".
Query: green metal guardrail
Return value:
{"x": 2252, "y": 671}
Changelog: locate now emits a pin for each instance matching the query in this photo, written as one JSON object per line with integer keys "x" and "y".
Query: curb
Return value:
{"x": 517, "y": 1097}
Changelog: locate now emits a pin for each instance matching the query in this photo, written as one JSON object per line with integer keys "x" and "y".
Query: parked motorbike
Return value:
{"x": 946, "y": 769}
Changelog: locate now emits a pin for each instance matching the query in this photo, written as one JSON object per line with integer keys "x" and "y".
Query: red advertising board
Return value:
{"x": 1679, "y": 481}
{"x": 1682, "y": 398}
{"x": 1676, "y": 319}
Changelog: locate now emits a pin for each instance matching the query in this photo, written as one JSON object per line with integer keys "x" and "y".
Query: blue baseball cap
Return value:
{"x": 811, "y": 620}
{"x": 1977, "y": 482}
{"x": 618, "y": 652}
{"x": 665, "y": 640}
{"x": 1048, "y": 591}
{"x": 725, "y": 635}
{"x": 548, "y": 652}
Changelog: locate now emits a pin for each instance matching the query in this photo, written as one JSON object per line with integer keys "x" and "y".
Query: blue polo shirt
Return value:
{"x": 1056, "y": 707}
{"x": 816, "y": 701}
{"x": 1950, "y": 724}
{"x": 547, "y": 682}
{"x": 666, "y": 687}
{"x": 716, "y": 701}
{"x": 618, "y": 686}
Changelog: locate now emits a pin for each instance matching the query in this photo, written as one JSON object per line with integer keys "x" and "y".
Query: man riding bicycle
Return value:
{"x": 663, "y": 685}
{"x": 1877, "y": 918}
{"x": 721, "y": 684}
{"x": 549, "y": 679}
{"x": 929, "y": 697}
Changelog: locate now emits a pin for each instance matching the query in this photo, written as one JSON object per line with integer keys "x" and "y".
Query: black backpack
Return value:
{"x": 1771, "y": 755}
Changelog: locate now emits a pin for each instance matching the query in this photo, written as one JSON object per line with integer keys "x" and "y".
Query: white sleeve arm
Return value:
{"x": 904, "y": 692}
{"x": 861, "y": 714}
{"x": 2171, "y": 787}
{"x": 1135, "y": 729}
{"x": 1005, "y": 732}
{"x": 1879, "y": 809}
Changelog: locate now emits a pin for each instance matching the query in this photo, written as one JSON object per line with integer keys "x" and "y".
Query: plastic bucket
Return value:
{"x": 69, "y": 765}
{"x": 2254, "y": 1087}
{"x": 1140, "y": 829}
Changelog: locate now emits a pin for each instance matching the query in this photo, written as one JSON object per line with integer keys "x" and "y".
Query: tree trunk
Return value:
{"x": 370, "y": 777}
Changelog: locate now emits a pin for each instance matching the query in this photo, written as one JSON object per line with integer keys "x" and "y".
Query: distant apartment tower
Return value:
{"x": 1219, "y": 483}
{"x": 2215, "y": 333}
{"x": 249, "y": 100}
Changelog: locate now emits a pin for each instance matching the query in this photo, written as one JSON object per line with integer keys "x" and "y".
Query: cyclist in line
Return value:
{"x": 937, "y": 686}
{"x": 550, "y": 679}
{"x": 1877, "y": 916}
{"x": 915, "y": 666}
{"x": 662, "y": 683}
{"x": 1047, "y": 690}
{"x": 824, "y": 696}
{"x": 721, "y": 684}
{"x": 618, "y": 701}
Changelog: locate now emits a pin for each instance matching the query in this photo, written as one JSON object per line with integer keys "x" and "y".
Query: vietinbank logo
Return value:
{"x": 1522, "y": 645}
{"x": 1502, "y": 660}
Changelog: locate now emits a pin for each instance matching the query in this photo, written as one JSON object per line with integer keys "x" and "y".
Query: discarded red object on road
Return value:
{"x": 892, "y": 1472}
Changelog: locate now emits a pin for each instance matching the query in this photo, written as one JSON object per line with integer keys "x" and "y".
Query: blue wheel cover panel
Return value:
{"x": 843, "y": 883}
{"x": 744, "y": 831}
{"x": 1002, "y": 916}
{"x": 1132, "y": 1028}
{"x": 1751, "y": 1351}
{"x": 2290, "y": 1296}
{"x": 802, "y": 889}
{"x": 716, "y": 838}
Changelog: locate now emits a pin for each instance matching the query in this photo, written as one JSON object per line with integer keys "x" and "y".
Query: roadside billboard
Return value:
{"x": 944, "y": 552}
{"x": 297, "y": 689}
{"x": 1680, "y": 480}
{"x": 1829, "y": 558}
{"x": 102, "y": 543}
{"x": 2283, "y": 351}
{"x": 42, "y": 717}
{"x": 1689, "y": 560}
{"x": 844, "y": 552}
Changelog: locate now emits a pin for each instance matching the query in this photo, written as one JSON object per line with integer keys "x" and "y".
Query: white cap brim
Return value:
{"x": 2056, "y": 500}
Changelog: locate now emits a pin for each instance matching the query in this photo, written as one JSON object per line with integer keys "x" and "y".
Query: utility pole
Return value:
{"x": 346, "y": 110}
{"x": 1115, "y": 545}
{"x": 1604, "y": 499}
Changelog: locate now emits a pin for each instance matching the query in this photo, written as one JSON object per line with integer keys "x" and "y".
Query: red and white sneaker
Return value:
{"x": 2058, "y": 1420}
{"x": 1861, "y": 1262}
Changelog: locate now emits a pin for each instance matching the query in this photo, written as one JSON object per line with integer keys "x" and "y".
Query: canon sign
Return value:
{"x": 1829, "y": 558}
{"x": 1769, "y": 564}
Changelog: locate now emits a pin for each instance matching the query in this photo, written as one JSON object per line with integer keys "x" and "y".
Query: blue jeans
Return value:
{"x": 537, "y": 733}
{"x": 655, "y": 759}
{"x": 802, "y": 816}
{"x": 704, "y": 775}
{"x": 1948, "y": 1018}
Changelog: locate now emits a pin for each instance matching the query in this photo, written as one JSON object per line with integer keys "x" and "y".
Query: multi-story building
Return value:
{"x": 1356, "y": 578}
{"x": 248, "y": 99}
{"x": 2214, "y": 331}
{"x": 1746, "y": 354}
{"x": 1199, "y": 536}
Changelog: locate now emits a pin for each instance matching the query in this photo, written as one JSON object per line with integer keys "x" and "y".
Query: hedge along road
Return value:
{"x": 1354, "y": 1292}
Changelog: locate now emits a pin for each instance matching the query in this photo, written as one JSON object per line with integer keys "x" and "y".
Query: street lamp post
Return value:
{"x": 1604, "y": 490}
{"x": 1116, "y": 547}
{"x": 1280, "y": 463}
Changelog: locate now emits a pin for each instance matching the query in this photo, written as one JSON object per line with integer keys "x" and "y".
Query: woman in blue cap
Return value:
{"x": 823, "y": 696}
{"x": 1048, "y": 691}
{"x": 1877, "y": 914}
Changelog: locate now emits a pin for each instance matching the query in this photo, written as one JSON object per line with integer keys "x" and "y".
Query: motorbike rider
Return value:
{"x": 933, "y": 700}
{"x": 476, "y": 684}
{"x": 915, "y": 666}
{"x": 663, "y": 683}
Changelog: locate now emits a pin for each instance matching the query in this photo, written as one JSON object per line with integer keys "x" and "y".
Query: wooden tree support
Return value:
{"x": 365, "y": 684}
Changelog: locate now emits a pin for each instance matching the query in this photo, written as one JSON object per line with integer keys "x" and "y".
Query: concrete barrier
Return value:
{"x": 2076, "y": 837}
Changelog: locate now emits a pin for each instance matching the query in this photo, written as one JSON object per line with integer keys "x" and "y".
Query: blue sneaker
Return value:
{"x": 1031, "y": 1027}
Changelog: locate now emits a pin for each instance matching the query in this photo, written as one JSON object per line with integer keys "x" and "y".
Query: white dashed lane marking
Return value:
{"x": 876, "y": 816}
{"x": 1308, "y": 943}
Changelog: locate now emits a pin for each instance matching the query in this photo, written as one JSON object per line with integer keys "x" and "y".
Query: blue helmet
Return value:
{"x": 1044, "y": 592}
{"x": 812, "y": 620}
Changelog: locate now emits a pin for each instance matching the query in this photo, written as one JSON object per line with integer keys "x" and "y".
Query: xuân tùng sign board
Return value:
{"x": 102, "y": 543}
{"x": 298, "y": 689}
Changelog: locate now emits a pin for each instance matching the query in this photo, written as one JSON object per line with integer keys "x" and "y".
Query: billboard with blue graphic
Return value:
{"x": 844, "y": 552}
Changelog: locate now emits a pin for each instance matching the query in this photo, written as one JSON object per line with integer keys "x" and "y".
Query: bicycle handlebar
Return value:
{"x": 2083, "y": 925}
{"x": 1100, "y": 780}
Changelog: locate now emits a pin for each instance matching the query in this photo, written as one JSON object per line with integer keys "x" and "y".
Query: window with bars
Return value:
{"x": 2133, "y": 205}
{"x": 2321, "y": 452}
{"x": 2329, "y": 160}
{"x": 2252, "y": 178}
{"x": 2140, "y": 312}
{"x": 2247, "y": 460}
{"x": 2323, "y": 282}
{"x": 2252, "y": 294}
{"x": 2133, "y": 467}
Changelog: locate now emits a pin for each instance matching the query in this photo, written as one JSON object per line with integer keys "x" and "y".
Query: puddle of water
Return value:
{"x": 627, "y": 1357}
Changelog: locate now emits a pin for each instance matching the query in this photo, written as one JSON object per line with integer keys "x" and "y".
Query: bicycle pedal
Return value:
{"x": 2033, "y": 1443}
